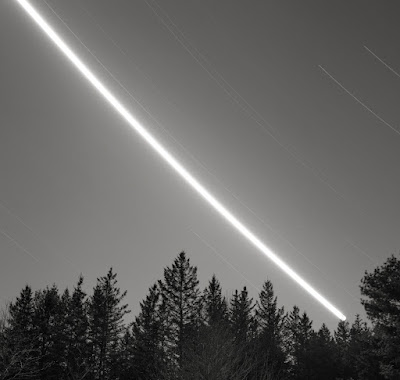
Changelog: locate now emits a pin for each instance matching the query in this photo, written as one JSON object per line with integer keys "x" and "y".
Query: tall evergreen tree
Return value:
{"x": 148, "y": 329}
{"x": 106, "y": 317}
{"x": 48, "y": 320}
{"x": 213, "y": 356}
{"x": 382, "y": 289}
{"x": 182, "y": 304}
{"x": 299, "y": 333}
{"x": 323, "y": 356}
{"x": 76, "y": 328}
{"x": 20, "y": 353}
{"x": 126, "y": 370}
{"x": 243, "y": 329}
{"x": 362, "y": 352}
{"x": 215, "y": 306}
{"x": 270, "y": 319}
{"x": 241, "y": 316}
{"x": 342, "y": 339}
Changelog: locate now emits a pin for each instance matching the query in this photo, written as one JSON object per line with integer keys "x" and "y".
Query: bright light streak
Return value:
{"x": 171, "y": 160}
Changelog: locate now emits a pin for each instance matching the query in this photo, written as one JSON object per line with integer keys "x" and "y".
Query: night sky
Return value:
{"x": 252, "y": 96}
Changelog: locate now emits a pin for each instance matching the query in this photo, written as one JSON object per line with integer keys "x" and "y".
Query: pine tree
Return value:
{"x": 213, "y": 356}
{"x": 382, "y": 289}
{"x": 299, "y": 332}
{"x": 241, "y": 317}
{"x": 342, "y": 339}
{"x": 215, "y": 306}
{"x": 289, "y": 342}
{"x": 76, "y": 327}
{"x": 20, "y": 354}
{"x": 322, "y": 357}
{"x": 362, "y": 352}
{"x": 106, "y": 316}
{"x": 148, "y": 334}
{"x": 269, "y": 342}
{"x": 243, "y": 329}
{"x": 126, "y": 357}
{"x": 182, "y": 305}
{"x": 48, "y": 321}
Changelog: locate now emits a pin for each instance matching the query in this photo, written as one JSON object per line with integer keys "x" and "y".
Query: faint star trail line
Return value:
{"x": 238, "y": 99}
{"x": 226, "y": 261}
{"x": 255, "y": 286}
{"x": 127, "y": 56}
{"x": 359, "y": 101}
{"x": 19, "y": 245}
{"x": 382, "y": 61}
{"x": 36, "y": 236}
{"x": 363, "y": 252}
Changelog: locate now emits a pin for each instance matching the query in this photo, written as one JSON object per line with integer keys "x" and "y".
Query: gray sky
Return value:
{"x": 236, "y": 91}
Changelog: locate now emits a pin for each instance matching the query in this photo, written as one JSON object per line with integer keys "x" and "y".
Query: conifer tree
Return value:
{"x": 126, "y": 358}
{"x": 106, "y": 316}
{"x": 323, "y": 362}
{"x": 362, "y": 352}
{"x": 342, "y": 339}
{"x": 148, "y": 334}
{"x": 382, "y": 304}
{"x": 182, "y": 307}
{"x": 20, "y": 354}
{"x": 76, "y": 327}
{"x": 48, "y": 321}
{"x": 241, "y": 317}
{"x": 215, "y": 306}
{"x": 21, "y": 324}
{"x": 213, "y": 357}
{"x": 299, "y": 333}
{"x": 269, "y": 342}
{"x": 242, "y": 324}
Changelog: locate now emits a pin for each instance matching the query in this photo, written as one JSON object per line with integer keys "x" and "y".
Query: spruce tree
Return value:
{"x": 269, "y": 342}
{"x": 362, "y": 352}
{"x": 241, "y": 317}
{"x": 182, "y": 307}
{"x": 215, "y": 306}
{"x": 20, "y": 354}
{"x": 382, "y": 304}
{"x": 106, "y": 318}
{"x": 242, "y": 324}
{"x": 48, "y": 321}
{"x": 342, "y": 339}
{"x": 213, "y": 355}
{"x": 298, "y": 341}
{"x": 323, "y": 359}
{"x": 148, "y": 334}
{"x": 77, "y": 327}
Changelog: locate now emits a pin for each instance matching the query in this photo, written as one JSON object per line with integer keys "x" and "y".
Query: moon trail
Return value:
{"x": 171, "y": 160}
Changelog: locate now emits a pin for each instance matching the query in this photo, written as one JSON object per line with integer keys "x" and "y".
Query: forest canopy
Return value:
{"x": 184, "y": 332}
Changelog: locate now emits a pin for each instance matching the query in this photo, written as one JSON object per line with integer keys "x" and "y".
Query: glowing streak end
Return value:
{"x": 192, "y": 181}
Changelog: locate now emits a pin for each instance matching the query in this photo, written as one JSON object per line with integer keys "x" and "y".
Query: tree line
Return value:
{"x": 183, "y": 332}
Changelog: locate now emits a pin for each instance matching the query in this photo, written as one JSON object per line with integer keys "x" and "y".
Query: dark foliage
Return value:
{"x": 182, "y": 333}
{"x": 382, "y": 289}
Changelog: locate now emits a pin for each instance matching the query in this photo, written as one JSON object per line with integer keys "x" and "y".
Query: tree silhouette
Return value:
{"x": 181, "y": 333}
{"x": 182, "y": 305}
{"x": 270, "y": 319}
{"x": 382, "y": 289}
{"x": 106, "y": 315}
{"x": 148, "y": 340}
